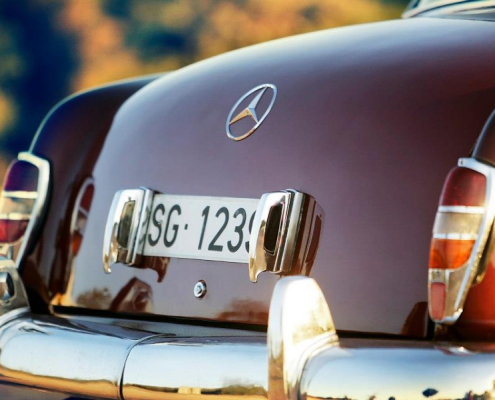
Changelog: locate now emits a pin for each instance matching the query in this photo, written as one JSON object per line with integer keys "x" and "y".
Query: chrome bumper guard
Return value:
{"x": 300, "y": 358}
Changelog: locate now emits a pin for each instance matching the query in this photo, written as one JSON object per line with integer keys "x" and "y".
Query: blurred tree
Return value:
{"x": 165, "y": 35}
{"x": 37, "y": 62}
{"x": 237, "y": 24}
{"x": 51, "y": 48}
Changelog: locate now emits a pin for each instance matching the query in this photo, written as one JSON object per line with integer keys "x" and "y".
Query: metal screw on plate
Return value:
{"x": 6, "y": 286}
{"x": 200, "y": 289}
{"x": 438, "y": 274}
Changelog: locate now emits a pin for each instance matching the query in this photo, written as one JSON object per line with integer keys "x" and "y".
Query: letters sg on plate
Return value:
{"x": 200, "y": 227}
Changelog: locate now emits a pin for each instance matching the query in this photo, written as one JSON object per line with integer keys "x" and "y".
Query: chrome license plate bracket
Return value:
{"x": 278, "y": 233}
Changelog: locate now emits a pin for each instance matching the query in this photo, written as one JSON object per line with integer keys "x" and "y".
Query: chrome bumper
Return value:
{"x": 300, "y": 358}
{"x": 85, "y": 359}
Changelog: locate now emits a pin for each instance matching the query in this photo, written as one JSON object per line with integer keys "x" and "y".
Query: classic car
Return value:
{"x": 264, "y": 224}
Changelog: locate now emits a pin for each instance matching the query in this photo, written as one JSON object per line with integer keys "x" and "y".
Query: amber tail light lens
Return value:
{"x": 21, "y": 201}
{"x": 462, "y": 226}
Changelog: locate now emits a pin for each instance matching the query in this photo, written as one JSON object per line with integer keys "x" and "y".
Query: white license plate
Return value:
{"x": 205, "y": 228}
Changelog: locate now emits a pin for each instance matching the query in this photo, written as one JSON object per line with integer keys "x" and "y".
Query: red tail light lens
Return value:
{"x": 458, "y": 218}
{"x": 22, "y": 198}
{"x": 464, "y": 187}
{"x": 17, "y": 200}
{"x": 437, "y": 300}
{"x": 462, "y": 224}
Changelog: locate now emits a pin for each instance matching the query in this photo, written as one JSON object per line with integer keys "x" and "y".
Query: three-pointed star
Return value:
{"x": 250, "y": 110}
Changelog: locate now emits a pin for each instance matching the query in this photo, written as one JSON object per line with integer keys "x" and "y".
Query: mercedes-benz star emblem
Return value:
{"x": 250, "y": 111}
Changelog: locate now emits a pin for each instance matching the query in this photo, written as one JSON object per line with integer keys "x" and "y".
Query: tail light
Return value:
{"x": 460, "y": 234}
{"x": 21, "y": 202}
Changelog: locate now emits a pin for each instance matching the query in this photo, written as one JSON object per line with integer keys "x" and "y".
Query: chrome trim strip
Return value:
{"x": 462, "y": 209}
{"x": 455, "y": 6}
{"x": 485, "y": 228}
{"x": 15, "y": 216}
{"x": 455, "y": 236}
{"x": 19, "y": 194}
{"x": 83, "y": 212}
{"x": 40, "y": 202}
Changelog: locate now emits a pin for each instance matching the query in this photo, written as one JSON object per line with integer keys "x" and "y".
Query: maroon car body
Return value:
{"x": 368, "y": 120}
{"x": 368, "y": 133}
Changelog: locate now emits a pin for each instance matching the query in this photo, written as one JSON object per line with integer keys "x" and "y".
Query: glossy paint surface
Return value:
{"x": 368, "y": 120}
{"x": 70, "y": 138}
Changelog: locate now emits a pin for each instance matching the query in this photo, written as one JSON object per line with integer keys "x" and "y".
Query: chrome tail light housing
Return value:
{"x": 460, "y": 239}
{"x": 22, "y": 201}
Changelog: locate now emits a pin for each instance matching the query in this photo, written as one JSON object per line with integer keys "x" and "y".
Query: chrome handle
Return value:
{"x": 285, "y": 234}
{"x": 126, "y": 227}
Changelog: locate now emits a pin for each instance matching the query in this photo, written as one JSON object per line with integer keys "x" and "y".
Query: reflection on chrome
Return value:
{"x": 63, "y": 357}
{"x": 384, "y": 370}
{"x": 125, "y": 228}
{"x": 224, "y": 368}
{"x": 300, "y": 324}
{"x": 102, "y": 360}
{"x": 300, "y": 358}
{"x": 285, "y": 235}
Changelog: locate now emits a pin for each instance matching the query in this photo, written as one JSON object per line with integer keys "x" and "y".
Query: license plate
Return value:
{"x": 197, "y": 227}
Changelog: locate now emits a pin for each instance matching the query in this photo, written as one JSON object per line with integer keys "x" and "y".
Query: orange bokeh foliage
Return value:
{"x": 210, "y": 27}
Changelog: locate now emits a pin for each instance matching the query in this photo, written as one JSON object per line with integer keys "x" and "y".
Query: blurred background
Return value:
{"x": 52, "y": 48}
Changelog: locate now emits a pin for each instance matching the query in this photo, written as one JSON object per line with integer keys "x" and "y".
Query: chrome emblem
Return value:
{"x": 250, "y": 110}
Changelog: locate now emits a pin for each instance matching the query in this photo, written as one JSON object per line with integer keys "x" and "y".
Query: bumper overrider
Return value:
{"x": 301, "y": 356}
